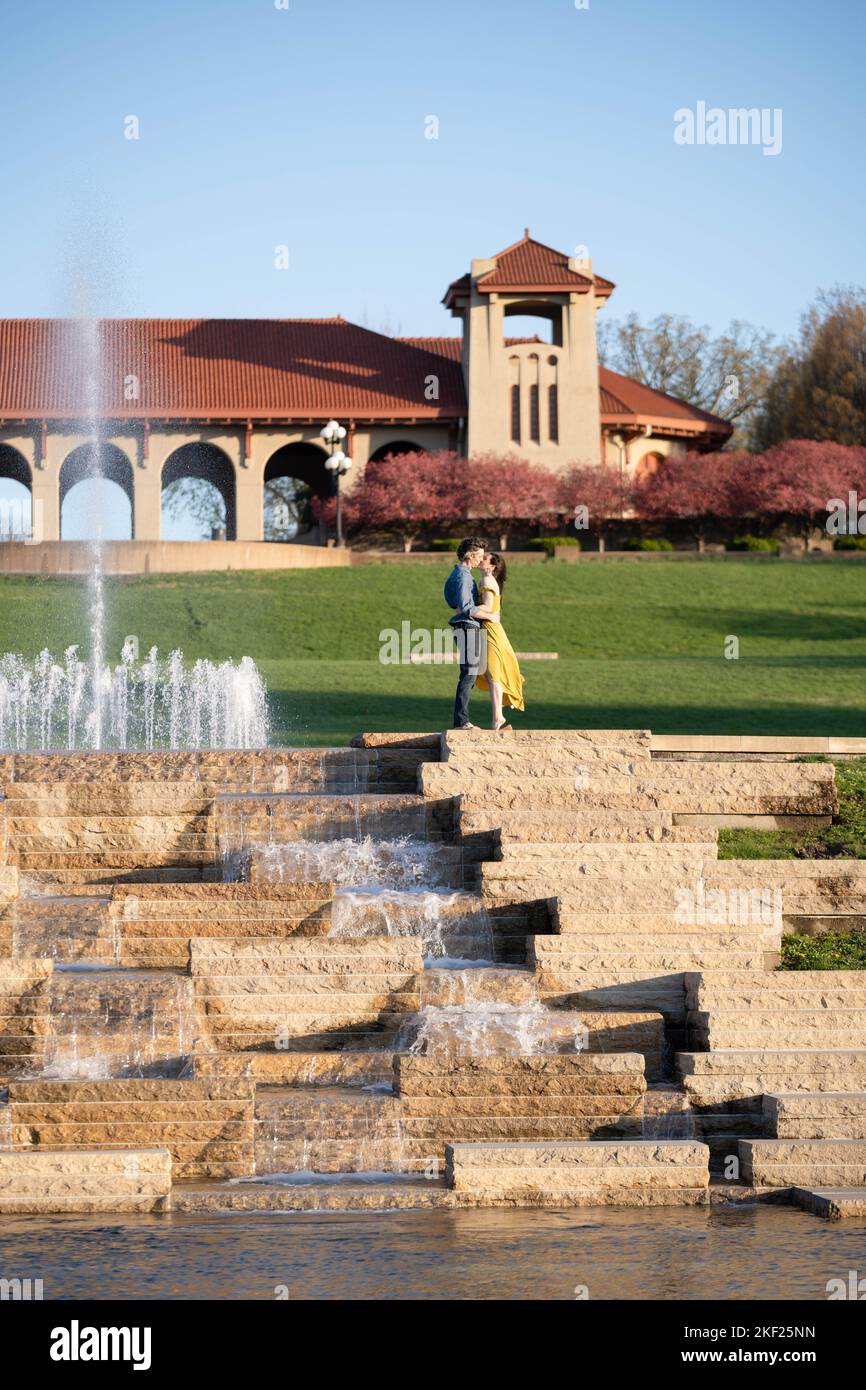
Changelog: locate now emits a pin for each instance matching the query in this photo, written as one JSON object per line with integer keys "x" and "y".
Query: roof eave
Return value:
{"x": 667, "y": 424}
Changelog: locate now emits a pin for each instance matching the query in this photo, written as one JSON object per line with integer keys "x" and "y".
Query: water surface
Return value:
{"x": 731, "y": 1253}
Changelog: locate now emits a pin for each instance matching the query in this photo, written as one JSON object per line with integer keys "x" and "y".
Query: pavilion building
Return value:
{"x": 242, "y": 402}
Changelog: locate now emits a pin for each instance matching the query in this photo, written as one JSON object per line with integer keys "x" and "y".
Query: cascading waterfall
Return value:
{"x": 394, "y": 887}
{"x": 402, "y": 863}
{"x": 384, "y": 887}
{"x": 489, "y": 1027}
{"x": 452, "y": 925}
{"x": 109, "y": 1022}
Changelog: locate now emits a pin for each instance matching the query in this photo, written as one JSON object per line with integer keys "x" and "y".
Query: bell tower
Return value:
{"x": 539, "y": 400}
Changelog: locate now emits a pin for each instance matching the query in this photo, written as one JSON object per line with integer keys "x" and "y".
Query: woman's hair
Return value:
{"x": 500, "y": 569}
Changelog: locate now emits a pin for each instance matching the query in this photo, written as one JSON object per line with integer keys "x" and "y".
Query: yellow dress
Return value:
{"x": 502, "y": 665}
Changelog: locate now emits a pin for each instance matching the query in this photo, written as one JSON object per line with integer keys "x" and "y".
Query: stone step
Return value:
{"x": 312, "y": 1033}
{"x": 519, "y": 1097}
{"x": 397, "y": 1193}
{"x": 152, "y": 950}
{"x": 242, "y": 819}
{"x": 457, "y": 743}
{"x": 63, "y": 1181}
{"x": 224, "y": 956}
{"x": 595, "y": 975}
{"x": 568, "y": 829}
{"x": 664, "y": 925}
{"x": 210, "y": 1091}
{"x": 253, "y": 999}
{"x": 729, "y": 989}
{"x": 311, "y": 994}
{"x": 629, "y": 1172}
{"x": 77, "y": 860}
{"x": 532, "y": 857}
{"x": 206, "y": 1126}
{"x": 516, "y": 985}
{"x": 666, "y": 864}
{"x": 315, "y": 922}
{"x": 760, "y": 897}
{"x": 765, "y": 788}
{"x": 648, "y": 943}
{"x": 87, "y": 881}
{"x": 435, "y": 1113}
{"x": 24, "y": 1001}
{"x": 262, "y": 770}
{"x": 804, "y": 1162}
{"x": 472, "y": 816}
{"x": 217, "y": 900}
{"x": 334, "y": 1068}
{"x": 107, "y": 823}
{"x": 738, "y": 1076}
{"x": 796, "y": 1028}
{"x": 571, "y": 1074}
{"x": 832, "y": 1203}
{"x": 805, "y": 1115}
{"x": 130, "y": 842}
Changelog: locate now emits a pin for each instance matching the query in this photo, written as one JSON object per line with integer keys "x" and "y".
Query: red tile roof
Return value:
{"x": 279, "y": 369}
{"x": 624, "y": 400}
{"x": 227, "y": 368}
{"x": 529, "y": 265}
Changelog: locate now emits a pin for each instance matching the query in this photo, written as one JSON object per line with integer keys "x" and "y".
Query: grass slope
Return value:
{"x": 640, "y": 645}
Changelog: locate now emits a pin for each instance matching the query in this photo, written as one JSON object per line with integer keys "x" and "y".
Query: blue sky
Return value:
{"x": 305, "y": 126}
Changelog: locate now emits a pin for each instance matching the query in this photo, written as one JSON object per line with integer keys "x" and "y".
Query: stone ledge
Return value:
{"x": 629, "y": 1171}
{"x": 62, "y": 1180}
{"x": 832, "y": 1203}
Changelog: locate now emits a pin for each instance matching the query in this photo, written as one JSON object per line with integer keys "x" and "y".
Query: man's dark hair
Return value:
{"x": 471, "y": 543}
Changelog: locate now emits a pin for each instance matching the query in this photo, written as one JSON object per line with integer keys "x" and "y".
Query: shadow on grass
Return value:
{"x": 783, "y": 625}
{"x": 329, "y": 716}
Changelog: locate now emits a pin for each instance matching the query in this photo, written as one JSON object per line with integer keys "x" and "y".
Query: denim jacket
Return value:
{"x": 461, "y": 593}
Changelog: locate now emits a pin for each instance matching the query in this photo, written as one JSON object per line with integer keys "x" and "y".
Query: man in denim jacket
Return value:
{"x": 461, "y": 594}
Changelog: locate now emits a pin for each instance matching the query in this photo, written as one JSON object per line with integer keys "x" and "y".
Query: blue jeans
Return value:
{"x": 469, "y": 646}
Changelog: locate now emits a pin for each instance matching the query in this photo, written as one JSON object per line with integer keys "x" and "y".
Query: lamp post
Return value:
{"x": 337, "y": 463}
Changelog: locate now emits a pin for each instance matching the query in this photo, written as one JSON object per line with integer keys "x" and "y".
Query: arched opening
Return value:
{"x": 647, "y": 465}
{"x": 529, "y": 319}
{"x": 198, "y": 495}
{"x": 96, "y": 490}
{"x": 398, "y": 446}
{"x": 15, "y": 496}
{"x": 294, "y": 476}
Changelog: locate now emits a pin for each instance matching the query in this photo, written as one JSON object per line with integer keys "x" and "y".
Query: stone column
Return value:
{"x": 46, "y": 487}
{"x": 249, "y": 491}
{"x": 147, "y": 500}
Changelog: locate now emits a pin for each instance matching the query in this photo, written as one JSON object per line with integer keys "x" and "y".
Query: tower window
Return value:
{"x": 553, "y": 414}
{"x": 534, "y": 428}
{"x": 515, "y": 414}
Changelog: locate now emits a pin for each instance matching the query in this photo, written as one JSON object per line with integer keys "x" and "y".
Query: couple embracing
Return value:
{"x": 487, "y": 658}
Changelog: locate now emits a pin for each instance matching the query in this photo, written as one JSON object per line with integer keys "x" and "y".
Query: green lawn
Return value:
{"x": 640, "y": 644}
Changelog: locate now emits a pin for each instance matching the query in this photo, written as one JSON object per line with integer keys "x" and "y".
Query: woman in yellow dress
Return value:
{"x": 501, "y": 676}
